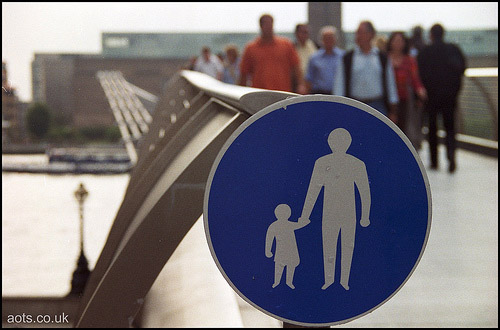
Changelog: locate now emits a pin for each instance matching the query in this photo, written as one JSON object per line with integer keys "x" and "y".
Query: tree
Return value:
{"x": 38, "y": 120}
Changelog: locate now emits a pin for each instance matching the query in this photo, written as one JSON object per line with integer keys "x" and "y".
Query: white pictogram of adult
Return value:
{"x": 338, "y": 173}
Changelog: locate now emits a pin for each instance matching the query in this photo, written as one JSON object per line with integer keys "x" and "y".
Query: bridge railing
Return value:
{"x": 478, "y": 104}
{"x": 164, "y": 198}
{"x": 477, "y": 120}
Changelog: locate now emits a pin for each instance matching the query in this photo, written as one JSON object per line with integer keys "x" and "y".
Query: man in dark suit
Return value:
{"x": 441, "y": 66}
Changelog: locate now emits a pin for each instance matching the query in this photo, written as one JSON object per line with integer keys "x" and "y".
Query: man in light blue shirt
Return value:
{"x": 367, "y": 75}
{"x": 323, "y": 63}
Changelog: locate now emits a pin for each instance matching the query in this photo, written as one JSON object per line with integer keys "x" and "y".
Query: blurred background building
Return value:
{"x": 13, "y": 112}
{"x": 68, "y": 83}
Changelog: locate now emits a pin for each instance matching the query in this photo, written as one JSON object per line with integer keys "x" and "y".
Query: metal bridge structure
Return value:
{"x": 131, "y": 116}
{"x": 173, "y": 150}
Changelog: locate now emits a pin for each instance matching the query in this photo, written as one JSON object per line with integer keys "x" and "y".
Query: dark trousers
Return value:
{"x": 402, "y": 115}
{"x": 446, "y": 108}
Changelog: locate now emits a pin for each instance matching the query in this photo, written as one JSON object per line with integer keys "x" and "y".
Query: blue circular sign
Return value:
{"x": 317, "y": 210}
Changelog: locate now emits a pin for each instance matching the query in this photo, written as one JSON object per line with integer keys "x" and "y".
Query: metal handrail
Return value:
{"x": 248, "y": 99}
{"x": 474, "y": 74}
{"x": 164, "y": 197}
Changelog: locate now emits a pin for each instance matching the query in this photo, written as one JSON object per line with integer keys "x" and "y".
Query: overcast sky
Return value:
{"x": 76, "y": 27}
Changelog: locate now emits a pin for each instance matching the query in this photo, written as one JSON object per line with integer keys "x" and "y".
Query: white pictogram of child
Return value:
{"x": 286, "y": 251}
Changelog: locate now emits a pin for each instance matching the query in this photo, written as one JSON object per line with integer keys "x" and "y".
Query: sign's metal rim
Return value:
{"x": 283, "y": 105}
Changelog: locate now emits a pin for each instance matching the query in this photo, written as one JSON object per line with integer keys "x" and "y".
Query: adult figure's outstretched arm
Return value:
{"x": 313, "y": 191}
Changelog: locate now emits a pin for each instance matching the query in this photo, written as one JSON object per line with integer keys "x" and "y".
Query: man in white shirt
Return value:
{"x": 366, "y": 74}
{"x": 209, "y": 64}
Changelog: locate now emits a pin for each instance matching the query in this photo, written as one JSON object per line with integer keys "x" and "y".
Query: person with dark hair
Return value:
{"x": 407, "y": 78}
{"x": 415, "y": 118}
{"x": 416, "y": 41}
{"x": 366, "y": 74}
{"x": 304, "y": 46}
{"x": 442, "y": 66}
{"x": 270, "y": 61}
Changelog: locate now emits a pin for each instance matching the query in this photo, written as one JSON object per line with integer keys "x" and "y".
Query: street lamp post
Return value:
{"x": 82, "y": 272}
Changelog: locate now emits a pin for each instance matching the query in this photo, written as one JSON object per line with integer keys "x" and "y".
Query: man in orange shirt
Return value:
{"x": 271, "y": 61}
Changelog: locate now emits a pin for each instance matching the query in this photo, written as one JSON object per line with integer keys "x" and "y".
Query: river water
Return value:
{"x": 40, "y": 226}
